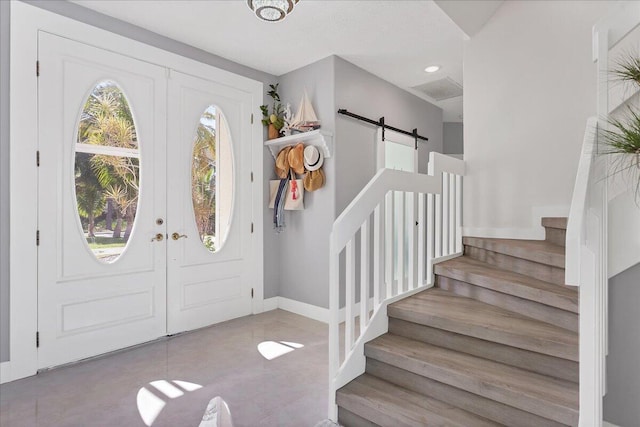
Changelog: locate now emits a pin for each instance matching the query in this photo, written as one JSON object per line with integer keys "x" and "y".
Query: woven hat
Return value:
{"x": 314, "y": 180}
{"x": 296, "y": 158}
{"x": 282, "y": 162}
{"x": 313, "y": 158}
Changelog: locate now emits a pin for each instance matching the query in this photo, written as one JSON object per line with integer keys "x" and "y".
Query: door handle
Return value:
{"x": 159, "y": 237}
{"x": 176, "y": 236}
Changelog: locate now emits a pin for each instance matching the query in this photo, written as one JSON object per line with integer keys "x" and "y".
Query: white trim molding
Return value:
{"x": 270, "y": 304}
{"x": 314, "y": 312}
{"x": 5, "y": 372}
{"x": 608, "y": 424}
{"x": 310, "y": 311}
{"x": 534, "y": 232}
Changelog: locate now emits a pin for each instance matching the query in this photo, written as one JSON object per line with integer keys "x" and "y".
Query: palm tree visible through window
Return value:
{"x": 203, "y": 178}
{"x": 107, "y": 170}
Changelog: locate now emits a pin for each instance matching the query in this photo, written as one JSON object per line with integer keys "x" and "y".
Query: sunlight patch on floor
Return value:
{"x": 273, "y": 349}
{"x": 150, "y": 404}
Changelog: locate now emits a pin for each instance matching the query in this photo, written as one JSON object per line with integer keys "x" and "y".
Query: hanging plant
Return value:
{"x": 627, "y": 68}
{"x": 623, "y": 139}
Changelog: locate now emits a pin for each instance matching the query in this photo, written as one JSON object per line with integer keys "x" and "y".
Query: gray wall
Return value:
{"x": 304, "y": 245}
{"x": 452, "y": 138}
{"x": 4, "y": 181}
{"x": 365, "y": 94}
{"x": 99, "y": 20}
{"x": 334, "y": 83}
{"x": 621, "y": 404}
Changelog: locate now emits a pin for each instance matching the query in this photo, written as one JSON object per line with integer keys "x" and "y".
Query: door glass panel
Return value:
{"x": 107, "y": 171}
{"x": 212, "y": 179}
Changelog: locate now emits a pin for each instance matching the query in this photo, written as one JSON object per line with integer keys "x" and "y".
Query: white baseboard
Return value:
{"x": 607, "y": 424}
{"x": 5, "y": 372}
{"x": 314, "y": 312}
{"x": 534, "y": 232}
{"x": 270, "y": 304}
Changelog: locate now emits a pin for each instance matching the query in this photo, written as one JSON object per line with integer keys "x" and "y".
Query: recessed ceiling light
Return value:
{"x": 432, "y": 68}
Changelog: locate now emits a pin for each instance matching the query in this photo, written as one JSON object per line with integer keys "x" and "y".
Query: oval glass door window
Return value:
{"x": 107, "y": 171}
{"x": 212, "y": 179}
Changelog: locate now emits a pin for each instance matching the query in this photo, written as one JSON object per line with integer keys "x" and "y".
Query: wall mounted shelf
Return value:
{"x": 319, "y": 138}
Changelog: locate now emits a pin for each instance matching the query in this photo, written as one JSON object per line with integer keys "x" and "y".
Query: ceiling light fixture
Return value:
{"x": 272, "y": 10}
{"x": 432, "y": 68}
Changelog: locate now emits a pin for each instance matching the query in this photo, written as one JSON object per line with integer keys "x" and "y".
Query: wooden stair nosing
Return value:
{"x": 555, "y": 222}
{"x": 349, "y": 419}
{"x": 479, "y": 405}
{"x": 523, "y": 359}
{"x": 444, "y": 310}
{"x": 541, "y": 312}
{"x": 522, "y": 266}
{"x": 538, "y": 251}
{"x": 389, "y": 405}
{"x": 478, "y": 273}
{"x": 541, "y": 395}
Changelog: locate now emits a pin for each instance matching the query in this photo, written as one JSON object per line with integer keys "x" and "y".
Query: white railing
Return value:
{"x": 586, "y": 266}
{"x": 391, "y": 234}
{"x": 587, "y": 228}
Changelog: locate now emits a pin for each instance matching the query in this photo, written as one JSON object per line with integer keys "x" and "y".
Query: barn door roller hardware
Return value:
{"x": 380, "y": 122}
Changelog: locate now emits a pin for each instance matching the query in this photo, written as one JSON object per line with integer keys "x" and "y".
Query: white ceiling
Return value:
{"x": 394, "y": 40}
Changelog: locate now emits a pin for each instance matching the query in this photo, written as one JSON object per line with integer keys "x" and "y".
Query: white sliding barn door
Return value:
{"x": 398, "y": 151}
{"x": 100, "y": 114}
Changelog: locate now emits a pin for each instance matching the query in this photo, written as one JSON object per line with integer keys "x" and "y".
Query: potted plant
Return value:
{"x": 623, "y": 139}
{"x": 274, "y": 120}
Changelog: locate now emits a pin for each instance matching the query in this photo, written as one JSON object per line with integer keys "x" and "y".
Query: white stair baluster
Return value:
{"x": 458, "y": 213}
{"x": 438, "y": 225}
{"x": 378, "y": 241}
{"x": 452, "y": 213}
{"x": 431, "y": 238}
{"x": 388, "y": 243}
{"x": 411, "y": 240}
{"x": 364, "y": 275}
{"x": 421, "y": 239}
{"x": 445, "y": 213}
{"x": 350, "y": 297}
{"x": 401, "y": 230}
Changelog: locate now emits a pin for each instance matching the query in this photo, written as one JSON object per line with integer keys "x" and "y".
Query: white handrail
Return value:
{"x": 575, "y": 223}
{"x": 586, "y": 266}
{"x": 399, "y": 215}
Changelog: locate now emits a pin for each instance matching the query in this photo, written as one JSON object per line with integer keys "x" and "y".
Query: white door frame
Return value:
{"x": 26, "y": 21}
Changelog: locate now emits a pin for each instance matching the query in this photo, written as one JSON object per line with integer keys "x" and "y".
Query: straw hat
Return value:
{"x": 314, "y": 180}
{"x": 313, "y": 158}
{"x": 296, "y": 158}
{"x": 282, "y": 162}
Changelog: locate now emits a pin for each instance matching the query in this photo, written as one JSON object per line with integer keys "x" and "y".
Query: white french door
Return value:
{"x": 209, "y": 271}
{"x": 119, "y": 161}
{"x": 87, "y": 306}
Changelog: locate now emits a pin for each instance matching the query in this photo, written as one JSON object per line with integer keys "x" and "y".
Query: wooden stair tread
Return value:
{"x": 538, "y": 394}
{"x": 539, "y": 251}
{"x": 445, "y": 310}
{"x": 479, "y": 273}
{"x": 387, "y": 404}
{"x": 555, "y": 222}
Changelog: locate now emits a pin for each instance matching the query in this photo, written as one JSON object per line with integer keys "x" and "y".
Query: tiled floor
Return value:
{"x": 290, "y": 390}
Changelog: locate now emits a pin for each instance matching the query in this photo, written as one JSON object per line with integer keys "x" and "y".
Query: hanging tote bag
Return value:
{"x": 295, "y": 195}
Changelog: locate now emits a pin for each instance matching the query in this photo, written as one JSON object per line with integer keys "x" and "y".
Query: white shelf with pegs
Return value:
{"x": 320, "y": 138}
